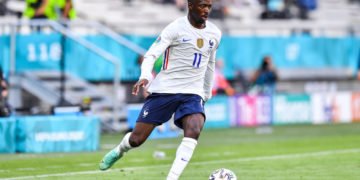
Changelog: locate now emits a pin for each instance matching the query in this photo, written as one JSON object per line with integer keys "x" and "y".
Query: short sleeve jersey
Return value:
{"x": 187, "y": 52}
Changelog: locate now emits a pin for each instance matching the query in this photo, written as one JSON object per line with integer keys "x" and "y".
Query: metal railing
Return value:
{"x": 14, "y": 26}
{"x": 108, "y": 32}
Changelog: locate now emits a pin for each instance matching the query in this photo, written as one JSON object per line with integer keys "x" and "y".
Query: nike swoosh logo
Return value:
{"x": 186, "y": 40}
{"x": 184, "y": 160}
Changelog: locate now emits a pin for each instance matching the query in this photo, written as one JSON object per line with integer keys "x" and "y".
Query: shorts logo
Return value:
{"x": 145, "y": 113}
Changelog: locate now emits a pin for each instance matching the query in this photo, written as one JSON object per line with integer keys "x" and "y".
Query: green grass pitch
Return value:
{"x": 288, "y": 152}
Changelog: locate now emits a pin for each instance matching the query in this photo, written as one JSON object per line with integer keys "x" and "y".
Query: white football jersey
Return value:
{"x": 189, "y": 59}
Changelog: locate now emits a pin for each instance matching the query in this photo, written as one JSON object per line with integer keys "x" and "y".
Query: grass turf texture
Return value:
{"x": 289, "y": 152}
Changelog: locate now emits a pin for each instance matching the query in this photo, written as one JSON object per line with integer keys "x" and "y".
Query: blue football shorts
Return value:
{"x": 159, "y": 107}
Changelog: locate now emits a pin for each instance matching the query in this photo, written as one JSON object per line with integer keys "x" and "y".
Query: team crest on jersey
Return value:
{"x": 211, "y": 43}
{"x": 200, "y": 43}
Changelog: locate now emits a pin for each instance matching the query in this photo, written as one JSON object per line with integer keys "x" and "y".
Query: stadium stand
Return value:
{"x": 148, "y": 18}
{"x": 42, "y": 89}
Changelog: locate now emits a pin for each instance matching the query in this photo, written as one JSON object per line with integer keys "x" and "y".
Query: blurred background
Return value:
{"x": 279, "y": 62}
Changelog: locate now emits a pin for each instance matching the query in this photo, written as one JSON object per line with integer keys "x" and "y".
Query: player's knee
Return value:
{"x": 192, "y": 132}
{"x": 135, "y": 141}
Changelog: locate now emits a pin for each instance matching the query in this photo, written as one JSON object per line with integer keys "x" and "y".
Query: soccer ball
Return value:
{"x": 222, "y": 174}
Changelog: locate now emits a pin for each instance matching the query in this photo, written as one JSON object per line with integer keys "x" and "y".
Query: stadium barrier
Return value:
{"x": 252, "y": 110}
{"x": 219, "y": 108}
{"x": 39, "y": 51}
{"x": 218, "y": 112}
{"x": 40, "y": 134}
{"x": 44, "y": 134}
{"x": 292, "y": 109}
{"x": 7, "y": 135}
{"x": 355, "y": 107}
{"x": 280, "y": 109}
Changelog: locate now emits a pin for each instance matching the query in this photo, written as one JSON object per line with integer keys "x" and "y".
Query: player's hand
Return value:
{"x": 142, "y": 83}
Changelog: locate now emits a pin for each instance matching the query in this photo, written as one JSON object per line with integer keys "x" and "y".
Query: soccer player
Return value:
{"x": 182, "y": 86}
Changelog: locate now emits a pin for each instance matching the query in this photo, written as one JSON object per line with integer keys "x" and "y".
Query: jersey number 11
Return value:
{"x": 197, "y": 60}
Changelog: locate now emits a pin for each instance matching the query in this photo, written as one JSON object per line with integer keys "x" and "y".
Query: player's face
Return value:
{"x": 199, "y": 10}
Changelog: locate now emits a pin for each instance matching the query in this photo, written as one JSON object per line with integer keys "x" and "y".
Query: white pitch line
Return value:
{"x": 87, "y": 164}
{"x": 26, "y": 169}
{"x": 263, "y": 158}
{"x": 108, "y": 146}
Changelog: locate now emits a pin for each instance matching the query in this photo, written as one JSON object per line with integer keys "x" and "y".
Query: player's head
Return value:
{"x": 266, "y": 63}
{"x": 199, "y": 10}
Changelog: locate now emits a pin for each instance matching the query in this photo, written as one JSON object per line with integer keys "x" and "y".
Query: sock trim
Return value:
{"x": 190, "y": 140}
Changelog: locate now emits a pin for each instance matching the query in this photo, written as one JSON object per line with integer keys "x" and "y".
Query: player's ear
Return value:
{"x": 190, "y": 5}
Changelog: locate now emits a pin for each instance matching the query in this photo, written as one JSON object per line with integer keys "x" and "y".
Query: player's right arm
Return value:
{"x": 157, "y": 48}
{"x": 210, "y": 71}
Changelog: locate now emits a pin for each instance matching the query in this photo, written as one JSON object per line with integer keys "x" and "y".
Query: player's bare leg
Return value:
{"x": 131, "y": 140}
{"x": 192, "y": 125}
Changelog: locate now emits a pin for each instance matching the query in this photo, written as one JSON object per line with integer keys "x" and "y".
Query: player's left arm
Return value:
{"x": 210, "y": 71}
{"x": 209, "y": 77}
